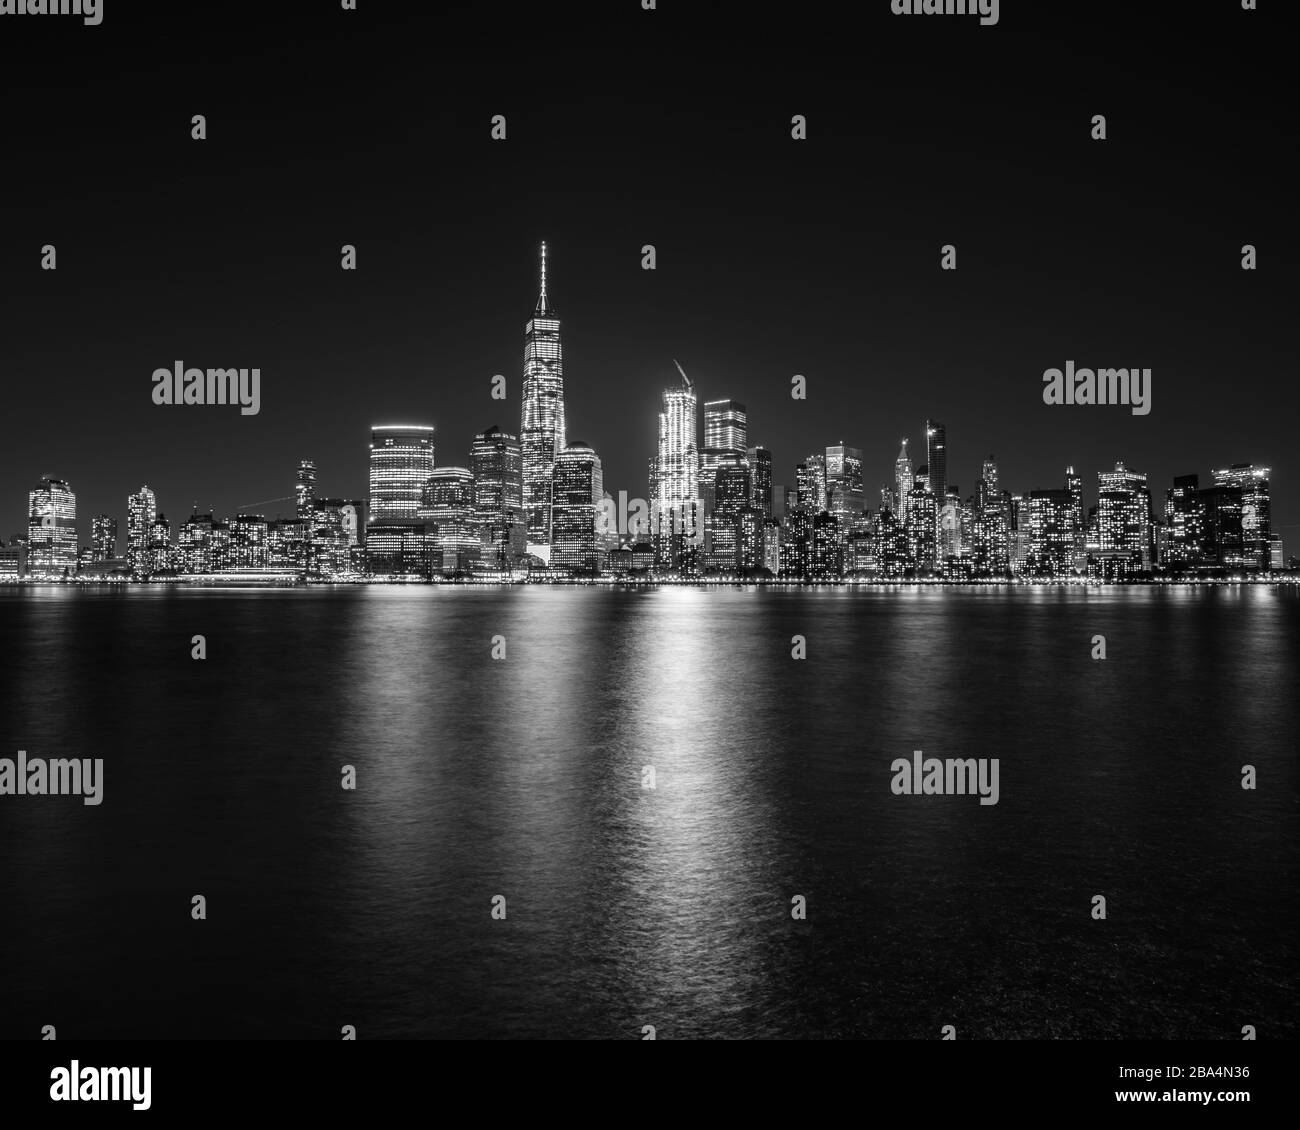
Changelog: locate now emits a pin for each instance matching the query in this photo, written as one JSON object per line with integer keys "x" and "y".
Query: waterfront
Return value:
{"x": 522, "y": 776}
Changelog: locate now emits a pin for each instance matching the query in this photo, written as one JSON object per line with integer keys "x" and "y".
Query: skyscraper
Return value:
{"x": 902, "y": 482}
{"x": 496, "y": 462}
{"x": 1051, "y": 536}
{"x": 51, "y": 529}
{"x": 1123, "y": 518}
{"x": 1074, "y": 484}
{"x": 1185, "y": 523}
{"x": 542, "y": 430}
{"x": 103, "y": 538}
{"x": 731, "y": 495}
{"x": 305, "y": 491}
{"x": 1256, "y": 521}
{"x": 141, "y": 513}
{"x": 760, "y": 471}
{"x": 447, "y": 510}
{"x": 812, "y": 483}
{"x": 936, "y": 458}
{"x": 846, "y": 495}
{"x": 726, "y": 433}
{"x": 578, "y": 491}
{"x": 401, "y": 461}
{"x": 675, "y": 485}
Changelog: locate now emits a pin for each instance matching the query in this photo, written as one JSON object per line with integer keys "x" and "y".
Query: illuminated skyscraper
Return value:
{"x": 1256, "y": 521}
{"x": 1185, "y": 523}
{"x": 675, "y": 485}
{"x": 1123, "y": 517}
{"x": 811, "y": 480}
{"x": 579, "y": 489}
{"x": 1051, "y": 535}
{"x": 541, "y": 432}
{"x": 902, "y": 482}
{"x": 726, "y": 433}
{"x": 731, "y": 495}
{"x": 496, "y": 462}
{"x": 921, "y": 526}
{"x": 448, "y": 513}
{"x": 846, "y": 496}
{"x": 760, "y": 471}
{"x": 51, "y": 529}
{"x": 936, "y": 458}
{"x": 141, "y": 513}
{"x": 103, "y": 538}
{"x": 401, "y": 461}
{"x": 305, "y": 492}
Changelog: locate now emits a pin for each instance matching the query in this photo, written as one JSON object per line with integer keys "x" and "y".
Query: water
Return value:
{"x": 625, "y": 906}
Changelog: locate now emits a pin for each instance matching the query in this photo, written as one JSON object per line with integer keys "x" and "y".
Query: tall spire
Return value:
{"x": 903, "y": 453}
{"x": 543, "y": 306}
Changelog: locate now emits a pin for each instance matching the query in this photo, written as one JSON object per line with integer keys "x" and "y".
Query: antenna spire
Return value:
{"x": 543, "y": 304}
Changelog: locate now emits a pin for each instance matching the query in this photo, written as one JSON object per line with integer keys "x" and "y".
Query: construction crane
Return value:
{"x": 682, "y": 371}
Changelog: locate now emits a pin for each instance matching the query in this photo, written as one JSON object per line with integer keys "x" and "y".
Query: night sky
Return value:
{"x": 627, "y": 127}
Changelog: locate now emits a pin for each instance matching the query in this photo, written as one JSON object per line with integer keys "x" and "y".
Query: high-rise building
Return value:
{"x": 726, "y": 433}
{"x": 141, "y": 513}
{"x": 902, "y": 482}
{"x": 51, "y": 529}
{"x": 496, "y": 462}
{"x": 731, "y": 495}
{"x": 675, "y": 497}
{"x": 401, "y": 461}
{"x": 575, "y": 508}
{"x": 542, "y": 428}
{"x": 160, "y": 556}
{"x": 750, "y": 549}
{"x": 305, "y": 491}
{"x": 1051, "y": 534}
{"x": 1124, "y": 517}
{"x": 103, "y": 538}
{"x": 846, "y": 496}
{"x": 1184, "y": 523}
{"x": 1256, "y": 519}
{"x": 338, "y": 528}
{"x": 726, "y": 426}
{"x": 449, "y": 516}
{"x": 936, "y": 458}
{"x": 921, "y": 526}
{"x": 249, "y": 541}
{"x": 760, "y": 471}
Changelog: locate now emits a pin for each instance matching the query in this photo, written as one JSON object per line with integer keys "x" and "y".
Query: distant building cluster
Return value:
{"x": 533, "y": 506}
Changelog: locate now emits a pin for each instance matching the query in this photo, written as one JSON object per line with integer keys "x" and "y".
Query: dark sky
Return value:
{"x": 628, "y": 127}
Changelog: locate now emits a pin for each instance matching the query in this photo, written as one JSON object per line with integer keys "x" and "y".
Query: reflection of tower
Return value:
{"x": 541, "y": 431}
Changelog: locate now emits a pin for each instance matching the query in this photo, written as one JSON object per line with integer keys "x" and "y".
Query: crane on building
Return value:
{"x": 683, "y": 372}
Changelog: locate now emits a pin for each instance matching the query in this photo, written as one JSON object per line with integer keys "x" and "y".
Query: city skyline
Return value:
{"x": 773, "y": 257}
{"x": 706, "y": 510}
